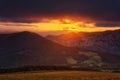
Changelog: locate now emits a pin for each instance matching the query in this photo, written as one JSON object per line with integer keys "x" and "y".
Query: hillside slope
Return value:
{"x": 26, "y": 48}
{"x": 105, "y": 42}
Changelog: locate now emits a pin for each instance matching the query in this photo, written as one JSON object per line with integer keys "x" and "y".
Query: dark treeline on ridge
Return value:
{"x": 58, "y": 68}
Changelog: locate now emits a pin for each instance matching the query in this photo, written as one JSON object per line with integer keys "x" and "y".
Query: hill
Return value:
{"x": 103, "y": 42}
{"x": 27, "y": 48}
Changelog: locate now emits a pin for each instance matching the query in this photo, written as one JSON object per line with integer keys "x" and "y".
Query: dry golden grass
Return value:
{"x": 61, "y": 75}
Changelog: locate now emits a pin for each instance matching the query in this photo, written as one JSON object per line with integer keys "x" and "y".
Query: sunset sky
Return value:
{"x": 59, "y": 15}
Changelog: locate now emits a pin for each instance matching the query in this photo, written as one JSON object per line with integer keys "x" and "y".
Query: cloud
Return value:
{"x": 108, "y": 24}
{"x": 18, "y": 25}
{"x": 96, "y": 10}
{"x": 19, "y": 20}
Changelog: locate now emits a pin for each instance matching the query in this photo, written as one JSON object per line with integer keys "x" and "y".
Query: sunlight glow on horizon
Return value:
{"x": 62, "y": 24}
{"x": 70, "y": 25}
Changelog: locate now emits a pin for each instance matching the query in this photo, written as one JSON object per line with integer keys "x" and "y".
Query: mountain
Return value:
{"x": 104, "y": 42}
{"x": 27, "y": 48}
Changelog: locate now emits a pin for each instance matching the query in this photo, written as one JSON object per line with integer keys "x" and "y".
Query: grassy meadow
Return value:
{"x": 61, "y": 75}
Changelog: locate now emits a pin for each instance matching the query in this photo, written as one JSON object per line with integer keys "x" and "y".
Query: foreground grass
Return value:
{"x": 61, "y": 75}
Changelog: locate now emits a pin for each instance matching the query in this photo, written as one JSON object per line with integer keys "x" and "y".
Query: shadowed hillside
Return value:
{"x": 26, "y": 48}
{"x": 105, "y": 42}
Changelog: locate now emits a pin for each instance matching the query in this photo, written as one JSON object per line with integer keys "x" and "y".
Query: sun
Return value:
{"x": 67, "y": 21}
{"x": 71, "y": 29}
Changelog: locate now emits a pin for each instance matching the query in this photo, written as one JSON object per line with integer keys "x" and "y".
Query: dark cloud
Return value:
{"x": 18, "y": 25}
{"x": 98, "y": 10}
{"x": 20, "y": 20}
{"x": 108, "y": 24}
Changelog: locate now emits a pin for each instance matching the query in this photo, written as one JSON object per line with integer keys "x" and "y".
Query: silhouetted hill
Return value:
{"x": 27, "y": 48}
{"x": 105, "y": 42}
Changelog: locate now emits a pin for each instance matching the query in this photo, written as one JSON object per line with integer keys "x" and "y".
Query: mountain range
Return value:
{"x": 28, "y": 48}
{"x": 104, "y": 42}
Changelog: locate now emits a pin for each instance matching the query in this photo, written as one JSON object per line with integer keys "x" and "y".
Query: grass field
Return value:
{"x": 61, "y": 75}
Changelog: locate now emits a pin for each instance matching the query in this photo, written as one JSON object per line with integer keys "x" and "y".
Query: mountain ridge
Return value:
{"x": 26, "y": 48}
{"x": 108, "y": 41}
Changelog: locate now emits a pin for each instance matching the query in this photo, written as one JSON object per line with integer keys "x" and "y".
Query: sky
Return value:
{"x": 59, "y": 15}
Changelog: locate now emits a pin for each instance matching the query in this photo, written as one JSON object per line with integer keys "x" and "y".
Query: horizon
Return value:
{"x": 48, "y": 16}
{"x": 46, "y": 33}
